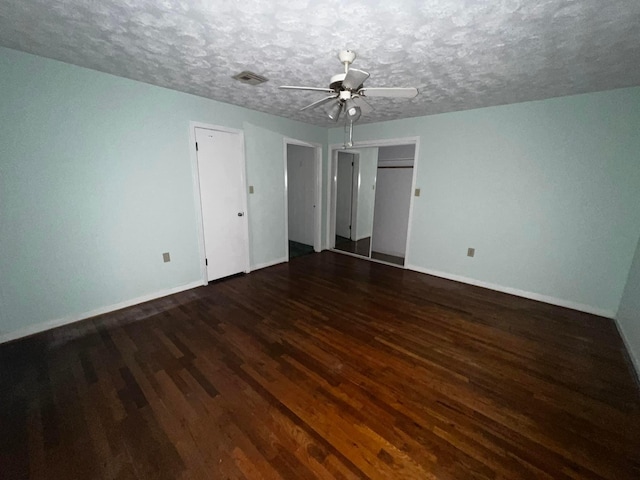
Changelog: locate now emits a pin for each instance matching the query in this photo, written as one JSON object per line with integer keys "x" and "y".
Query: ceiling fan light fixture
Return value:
{"x": 353, "y": 111}
{"x": 334, "y": 112}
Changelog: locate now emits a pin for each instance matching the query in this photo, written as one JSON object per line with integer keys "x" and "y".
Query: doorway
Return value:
{"x": 302, "y": 190}
{"x": 221, "y": 197}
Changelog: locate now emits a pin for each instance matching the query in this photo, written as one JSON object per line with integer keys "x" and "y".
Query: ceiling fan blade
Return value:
{"x": 354, "y": 79}
{"x": 389, "y": 92}
{"x": 319, "y": 102}
{"x": 313, "y": 89}
{"x": 363, "y": 104}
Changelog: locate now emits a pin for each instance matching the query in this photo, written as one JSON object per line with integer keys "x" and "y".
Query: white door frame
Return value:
{"x": 332, "y": 174}
{"x": 355, "y": 193}
{"x": 317, "y": 172}
{"x": 195, "y": 176}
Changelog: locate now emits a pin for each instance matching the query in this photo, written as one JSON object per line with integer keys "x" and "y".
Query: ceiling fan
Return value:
{"x": 348, "y": 93}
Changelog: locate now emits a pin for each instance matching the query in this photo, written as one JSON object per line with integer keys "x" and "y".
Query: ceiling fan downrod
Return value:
{"x": 346, "y": 57}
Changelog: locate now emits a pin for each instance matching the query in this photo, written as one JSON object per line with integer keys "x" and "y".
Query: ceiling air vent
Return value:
{"x": 250, "y": 78}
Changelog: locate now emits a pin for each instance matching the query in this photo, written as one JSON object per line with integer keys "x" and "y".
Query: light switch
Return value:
{"x": 471, "y": 252}
{"x": 250, "y": 188}
{"x": 166, "y": 257}
{"x": 417, "y": 192}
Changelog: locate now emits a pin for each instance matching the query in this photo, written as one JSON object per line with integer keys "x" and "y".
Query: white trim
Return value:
{"x": 635, "y": 361}
{"x": 416, "y": 156}
{"x": 518, "y": 293}
{"x": 355, "y": 191}
{"x": 197, "y": 199}
{"x": 245, "y": 206}
{"x": 331, "y": 196}
{"x": 48, "y": 325}
{"x": 195, "y": 177}
{"x": 271, "y": 263}
{"x": 317, "y": 245}
{"x": 317, "y": 172}
{"x": 286, "y": 198}
{"x": 328, "y": 236}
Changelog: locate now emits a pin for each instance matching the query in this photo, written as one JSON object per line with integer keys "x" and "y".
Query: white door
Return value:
{"x": 344, "y": 194}
{"x": 301, "y": 193}
{"x": 223, "y": 200}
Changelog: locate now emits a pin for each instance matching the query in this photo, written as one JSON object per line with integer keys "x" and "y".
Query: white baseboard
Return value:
{"x": 519, "y": 293}
{"x": 635, "y": 361}
{"x": 269, "y": 264}
{"x": 58, "y": 322}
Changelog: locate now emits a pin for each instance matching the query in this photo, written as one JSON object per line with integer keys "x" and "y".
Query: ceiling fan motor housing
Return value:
{"x": 336, "y": 81}
{"x": 347, "y": 56}
{"x": 336, "y": 84}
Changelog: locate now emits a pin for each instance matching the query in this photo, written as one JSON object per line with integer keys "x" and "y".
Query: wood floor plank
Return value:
{"x": 328, "y": 367}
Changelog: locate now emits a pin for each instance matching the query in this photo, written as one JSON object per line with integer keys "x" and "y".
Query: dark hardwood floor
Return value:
{"x": 326, "y": 367}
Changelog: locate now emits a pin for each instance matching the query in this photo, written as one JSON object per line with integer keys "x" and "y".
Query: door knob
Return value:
{"x": 240, "y": 214}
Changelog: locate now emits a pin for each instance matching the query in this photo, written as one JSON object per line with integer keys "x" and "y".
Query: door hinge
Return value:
{"x": 206, "y": 262}
{"x": 352, "y": 164}
{"x": 196, "y": 146}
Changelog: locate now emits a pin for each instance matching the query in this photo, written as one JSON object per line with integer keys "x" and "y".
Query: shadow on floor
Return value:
{"x": 297, "y": 249}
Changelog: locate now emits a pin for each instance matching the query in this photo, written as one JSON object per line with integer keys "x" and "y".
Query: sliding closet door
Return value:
{"x": 344, "y": 195}
{"x": 373, "y": 200}
{"x": 393, "y": 199}
{"x": 355, "y": 190}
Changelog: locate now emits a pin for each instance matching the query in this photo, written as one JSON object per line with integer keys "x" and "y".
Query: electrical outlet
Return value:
{"x": 250, "y": 188}
{"x": 471, "y": 252}
{"x": 417, "y": 192}
{"x": 166, "y": 257}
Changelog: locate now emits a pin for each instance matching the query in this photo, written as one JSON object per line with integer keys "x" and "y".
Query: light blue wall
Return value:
{"x": 629, "y": 312}
{"x": 265, "y": 172}
{"x": 547, "y": 192}
{"x": 96, "y": 183}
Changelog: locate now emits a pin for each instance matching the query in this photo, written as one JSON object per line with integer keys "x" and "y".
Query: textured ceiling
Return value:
{"x": 461, "y": 54}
